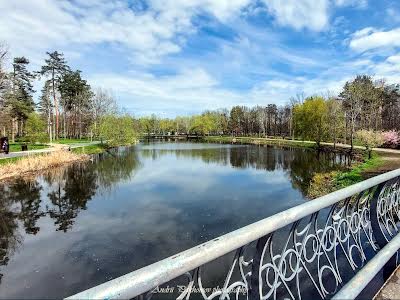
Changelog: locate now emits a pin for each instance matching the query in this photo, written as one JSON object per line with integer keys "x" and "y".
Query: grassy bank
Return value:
{"x": 22, "y": 166}
{"x": 325, "y": 183}
{"x": 15, "y": 147}
{"x": 322, "y": 183}
{"x": 71, "y": 141}
{"x": 258, "y": 141}
{"x": 91, "y": 149}
{"x": 9, "y": 160}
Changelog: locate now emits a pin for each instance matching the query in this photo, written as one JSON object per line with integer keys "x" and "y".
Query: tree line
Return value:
{"x": 363, "y": 107}
{"x": 68, "y": 106}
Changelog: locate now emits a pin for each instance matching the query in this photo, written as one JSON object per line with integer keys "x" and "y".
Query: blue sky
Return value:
{"x": 174, "y": 57}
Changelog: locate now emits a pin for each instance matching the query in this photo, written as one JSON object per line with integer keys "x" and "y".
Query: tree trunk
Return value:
{"x": 12, "y": 130}
{"x": 65, "y": 123}
{"x": 55, "y": 104}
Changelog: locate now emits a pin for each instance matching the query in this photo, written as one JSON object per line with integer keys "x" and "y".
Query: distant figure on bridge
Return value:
{"x": 4, "y": 146}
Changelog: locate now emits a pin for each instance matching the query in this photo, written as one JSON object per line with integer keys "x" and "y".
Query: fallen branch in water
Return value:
{"x": 36, "y": 163}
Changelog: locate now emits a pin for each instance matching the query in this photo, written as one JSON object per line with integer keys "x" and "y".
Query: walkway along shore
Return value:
{"x": 52, "y": 148}
{"x": 257, "y": 140}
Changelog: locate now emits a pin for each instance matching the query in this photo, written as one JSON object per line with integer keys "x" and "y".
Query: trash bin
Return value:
{"x": 24, "y": 147}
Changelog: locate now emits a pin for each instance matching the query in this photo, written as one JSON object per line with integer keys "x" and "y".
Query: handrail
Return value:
{"x": 355, "y": 286}
{"x": 152, "y": 276}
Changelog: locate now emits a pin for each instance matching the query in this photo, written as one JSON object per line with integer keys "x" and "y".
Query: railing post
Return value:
{"x": 254, "y": 287}
{"x": 377, "y": 229}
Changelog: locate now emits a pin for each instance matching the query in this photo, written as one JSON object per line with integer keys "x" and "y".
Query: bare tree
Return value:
{"x": 103, "y": 103}
{"x": 3, "y": 73}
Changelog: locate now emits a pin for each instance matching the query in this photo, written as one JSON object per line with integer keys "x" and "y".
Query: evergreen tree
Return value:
{"x": 76, "y": 96}
{"x": 45, "y": 107}
{"x": 55, "y": 67}
{"x": 19, "y": 100}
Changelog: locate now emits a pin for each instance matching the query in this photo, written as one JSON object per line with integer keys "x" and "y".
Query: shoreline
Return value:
{"x": 362, "y": 168}
{"x": 36, "y": 164}
{"x": 39, "y": 162}
{"x": 293, "y": 143}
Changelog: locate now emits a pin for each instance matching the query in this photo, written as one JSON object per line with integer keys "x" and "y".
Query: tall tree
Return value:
{"x": 46, "y": 108}
{"x": 19, "y": 99}
{"x": 311, "y": 119}
{"x": 103, "y": 103}
{"x": 335, "y": 119}
{"x": 76, "y": 96}
{"x": 55, "y": 67}
{"x": 3, "y": 73}
{"x": 356, "y": 95}
{"x": 4, "y": 84}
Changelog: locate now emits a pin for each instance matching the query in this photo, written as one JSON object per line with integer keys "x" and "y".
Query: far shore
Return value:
{"x": 290, "y": 142}
{"x": 56, "y": 155}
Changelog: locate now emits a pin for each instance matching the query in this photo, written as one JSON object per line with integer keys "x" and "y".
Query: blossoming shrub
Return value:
{"x": 391, "y": 139}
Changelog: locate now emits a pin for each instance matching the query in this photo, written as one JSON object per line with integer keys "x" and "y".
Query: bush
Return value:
{"x": 369, "y": 139}
{"x": 391, "y": 139}
{"x": 35, "y": 129}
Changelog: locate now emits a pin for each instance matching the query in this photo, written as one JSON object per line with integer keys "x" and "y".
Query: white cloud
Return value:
{"x": 194, "y": 90}
{"x": 389, "y": 69}
{"x": 370, "y": 38}
{"x": 354, "y": 3}
{"x": 35, "y": 26}
{"x": 307, "y": 14}
{"x": 300, "y": 14}
{"x": 191, "y": 90}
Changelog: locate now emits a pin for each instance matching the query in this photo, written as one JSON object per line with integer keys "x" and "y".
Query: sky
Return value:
{"x": 181, "y": 57}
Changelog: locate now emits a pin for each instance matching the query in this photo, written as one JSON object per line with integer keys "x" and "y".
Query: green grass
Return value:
{"x": 344, "y": 179}
{"x": 325, "y": 183}
{"x": 71, "y": 141}
{"x": 92, "y": 149}
{"x": 14, "y": 147}
{"x": 259, "y": 141}
{"x": 9, "y": 160}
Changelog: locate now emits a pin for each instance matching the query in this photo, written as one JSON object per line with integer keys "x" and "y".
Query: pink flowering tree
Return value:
{"x": 391, "y": 138}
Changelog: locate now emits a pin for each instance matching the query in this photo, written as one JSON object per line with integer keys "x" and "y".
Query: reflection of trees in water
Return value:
{"x": 80, "y": 182}
{"x": 207, "y": 155}
{"x": 300, "y": 164}
{"x": 9, "y": 236}
{"x": 70, "y": 188}
{"x": 71, "y": 194}
{"x": 115, "y": 166}
{"x": 27, "y": 194}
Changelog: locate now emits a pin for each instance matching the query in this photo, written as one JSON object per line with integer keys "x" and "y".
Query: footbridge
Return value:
{"x": 339, "y": 246}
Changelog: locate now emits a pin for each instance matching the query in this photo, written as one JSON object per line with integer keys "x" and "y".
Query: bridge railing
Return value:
{"x": 311, "y": 250}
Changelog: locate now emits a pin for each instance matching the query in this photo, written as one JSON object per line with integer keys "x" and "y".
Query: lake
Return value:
{"x": 78, "y": 226}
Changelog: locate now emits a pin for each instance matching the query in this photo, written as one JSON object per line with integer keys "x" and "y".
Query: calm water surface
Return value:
{"x": 81, "y": 225}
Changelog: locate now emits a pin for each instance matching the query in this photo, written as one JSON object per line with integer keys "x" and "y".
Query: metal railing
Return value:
{"x": 309, "y": 250}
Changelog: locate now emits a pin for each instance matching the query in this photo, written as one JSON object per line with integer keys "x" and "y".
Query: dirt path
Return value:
{"x": 390, "y": 162}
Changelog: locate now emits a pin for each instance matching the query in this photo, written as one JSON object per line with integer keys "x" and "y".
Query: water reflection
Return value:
{"x": 301, "y": 164}
{"x": 69, "y": 190}
{"x": 125, "y": 209}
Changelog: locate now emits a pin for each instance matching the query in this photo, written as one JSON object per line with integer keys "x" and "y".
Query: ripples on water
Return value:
{"x": 78, "y": 226}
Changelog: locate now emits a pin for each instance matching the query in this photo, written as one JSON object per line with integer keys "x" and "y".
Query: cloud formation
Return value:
{"x": 182, "y": 56}
{"x": 371, "y": 38}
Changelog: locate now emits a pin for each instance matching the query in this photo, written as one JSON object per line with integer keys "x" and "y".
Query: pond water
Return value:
{"x": 78, "y": 226}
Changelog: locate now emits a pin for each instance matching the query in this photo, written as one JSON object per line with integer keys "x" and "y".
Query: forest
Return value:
{"x": 67, "y": 107}
{"x": 365, "y": 111}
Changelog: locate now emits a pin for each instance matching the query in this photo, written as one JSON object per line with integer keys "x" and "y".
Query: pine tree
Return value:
{"x": 76, "y": 95}
{"x": 55, "y": 67}
{"x": 45, "y": 106}
{"x": 19, "y": 100}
